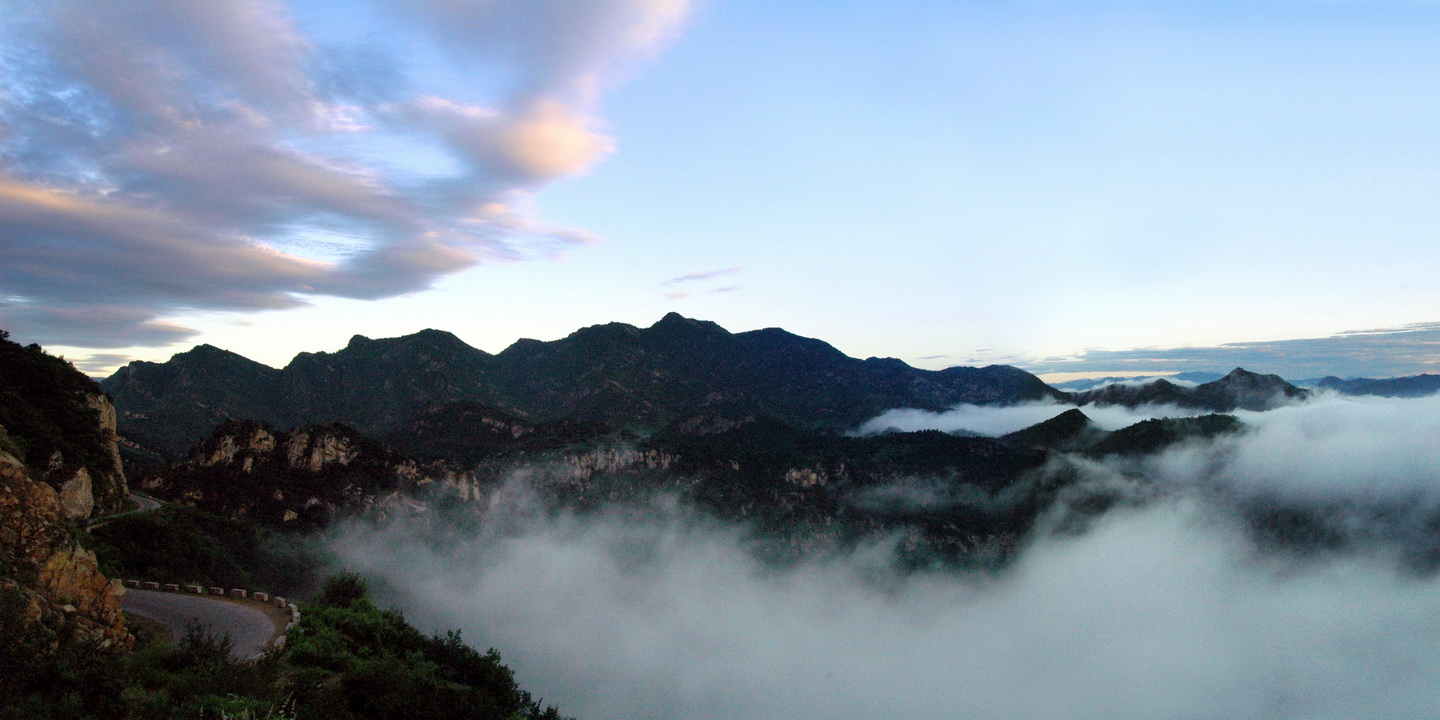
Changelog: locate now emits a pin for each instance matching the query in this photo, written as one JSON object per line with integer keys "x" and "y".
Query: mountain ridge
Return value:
{"x": 630, "y": 377}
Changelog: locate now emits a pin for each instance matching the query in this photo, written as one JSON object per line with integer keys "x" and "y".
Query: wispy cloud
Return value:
{"x": 1386, "y": 352}
{"x": 100, "y": 364}
{"x": 692, "y": 280}
{"x": 156, "y": 156}
{"x": 702, "y": 276}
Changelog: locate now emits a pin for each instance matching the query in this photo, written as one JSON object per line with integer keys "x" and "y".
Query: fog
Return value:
{"x": 1166, "y": 607}
{"x": 996, "y": 420}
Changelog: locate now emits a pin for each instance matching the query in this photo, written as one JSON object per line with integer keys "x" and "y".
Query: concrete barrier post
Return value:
{"x": 195, "y": 589}
{"x": 172, "y": 587}
{"x": 152, "y": 586}
{"x": 132, "y": 584}
{"x": 217, "y": 591}
{"x": 279, "y": 602}
{"x": 238, "y": 593}
{"x": 260, "y": 597}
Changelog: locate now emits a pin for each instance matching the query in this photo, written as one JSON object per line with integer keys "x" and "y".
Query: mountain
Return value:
{"x": 1239, "y": 390}
{"x": 1404, "y": 387}
{"x": 62, "y": 428}
{"x": 59, "y": 466}
{"x": 1196, "y": 376}
{"x": 618, "y": 374}
{"x": 1151, "y": 436}
{"x": 1069, "y": 431}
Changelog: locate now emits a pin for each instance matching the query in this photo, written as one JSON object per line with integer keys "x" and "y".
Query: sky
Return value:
{"x": 1069, "y": 186}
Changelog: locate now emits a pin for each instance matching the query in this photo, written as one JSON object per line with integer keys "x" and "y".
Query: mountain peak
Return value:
{"x": 205, "y": 353}
{"x": 675, "y": 321}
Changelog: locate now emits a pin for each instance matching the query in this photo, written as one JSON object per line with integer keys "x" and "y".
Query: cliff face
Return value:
{"x": 59, "y": 465}
{"x": 304, "y": 477}
{"x": 41, "y": 559}
{"x": 62, "y": 428}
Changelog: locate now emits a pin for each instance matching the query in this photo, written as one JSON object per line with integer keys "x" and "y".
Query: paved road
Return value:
{"x": 249, "y": 627}
{"x": 145, "y": 504}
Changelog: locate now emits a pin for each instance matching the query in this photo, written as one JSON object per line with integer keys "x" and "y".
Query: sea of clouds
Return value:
{"x": 1166, "y": 607}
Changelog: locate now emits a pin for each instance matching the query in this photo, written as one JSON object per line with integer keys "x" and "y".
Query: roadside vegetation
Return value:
{"x": 346, "y": 660}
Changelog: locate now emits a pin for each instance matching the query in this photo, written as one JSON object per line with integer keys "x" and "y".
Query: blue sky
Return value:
{"x": 1063, "y": 185}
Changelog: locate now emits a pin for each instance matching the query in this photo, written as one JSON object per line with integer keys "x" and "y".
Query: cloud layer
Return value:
{"x": 1386, "y": 352}
{"x": 160, "y": 157}
{"x": 1170, "y": 606}
{"x": 995, "y": 420}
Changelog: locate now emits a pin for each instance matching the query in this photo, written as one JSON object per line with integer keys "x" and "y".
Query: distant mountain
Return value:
{"x": 618, "y": 374}
{"x": 1069, "y": 431}
{"x": 1240, "y": 390}
{"x": 1402, "y": 387}
{"x": 1151, "y": 436}
{"x": 1092, "y": 383}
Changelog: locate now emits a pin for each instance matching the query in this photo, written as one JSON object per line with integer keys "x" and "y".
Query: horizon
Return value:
{"x": 1103, "y": 188}
{"x": 1051, "y": 378}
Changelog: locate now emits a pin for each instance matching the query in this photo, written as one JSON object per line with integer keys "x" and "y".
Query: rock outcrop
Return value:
{"x": 41, "y": 559}
{"x": 62, "y": 427}
{"x": 301, "y": 478}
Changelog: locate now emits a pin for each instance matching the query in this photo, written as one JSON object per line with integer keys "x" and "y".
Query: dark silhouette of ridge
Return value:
{"x": 632, "y": 378}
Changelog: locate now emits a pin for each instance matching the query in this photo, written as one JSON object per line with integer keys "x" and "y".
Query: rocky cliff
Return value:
{"x": 301, "y": 478}
{"x": 62, "y": 427}
{"x": 59, "y": 466}
{"x": 41, "y": 560}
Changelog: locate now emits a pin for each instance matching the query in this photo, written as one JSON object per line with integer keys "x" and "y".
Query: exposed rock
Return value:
{"x": 41, "y": 559}
{"x": 585, "y": 465}
{"x": 59, "y": 423}
{"x": 806, "y": 477}
{"x": 108, "y": 429}
{"x": 77, "y": 499}
{"x": 303, "y": 477}
{"x": 313, "y": 452}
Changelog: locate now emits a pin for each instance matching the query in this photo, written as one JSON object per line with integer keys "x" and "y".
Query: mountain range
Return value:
{"x": 627, "y": 377}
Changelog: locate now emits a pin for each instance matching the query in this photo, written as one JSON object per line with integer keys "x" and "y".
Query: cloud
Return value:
{"x": 702, "y": 276}
{"x": 1387, "y": 352}
{"x": 156, "y": 154}
{"x": 542, "y": 142}
{"x": 1172, "y": 605}
{"x": 99, "y": 365}
{"x": 995, "y": 420}
{"x": 1332, "y": 447}
{"x": 557, "y": 49}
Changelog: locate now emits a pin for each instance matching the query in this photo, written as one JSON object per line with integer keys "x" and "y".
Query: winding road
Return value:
{"x": 250, "y": 627}
{"x": 247, "y": 625}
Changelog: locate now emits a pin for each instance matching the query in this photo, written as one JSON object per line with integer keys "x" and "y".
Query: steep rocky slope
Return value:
{"x": 302, "y": 478}
{"x": 42, "y": 562}
{"x": 62, "y": 427}
{"x": 59, "y": 466}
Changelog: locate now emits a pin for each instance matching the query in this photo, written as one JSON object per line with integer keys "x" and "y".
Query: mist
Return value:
{"x": 996, "y": 420}
{"x": 1167, "y": 606}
